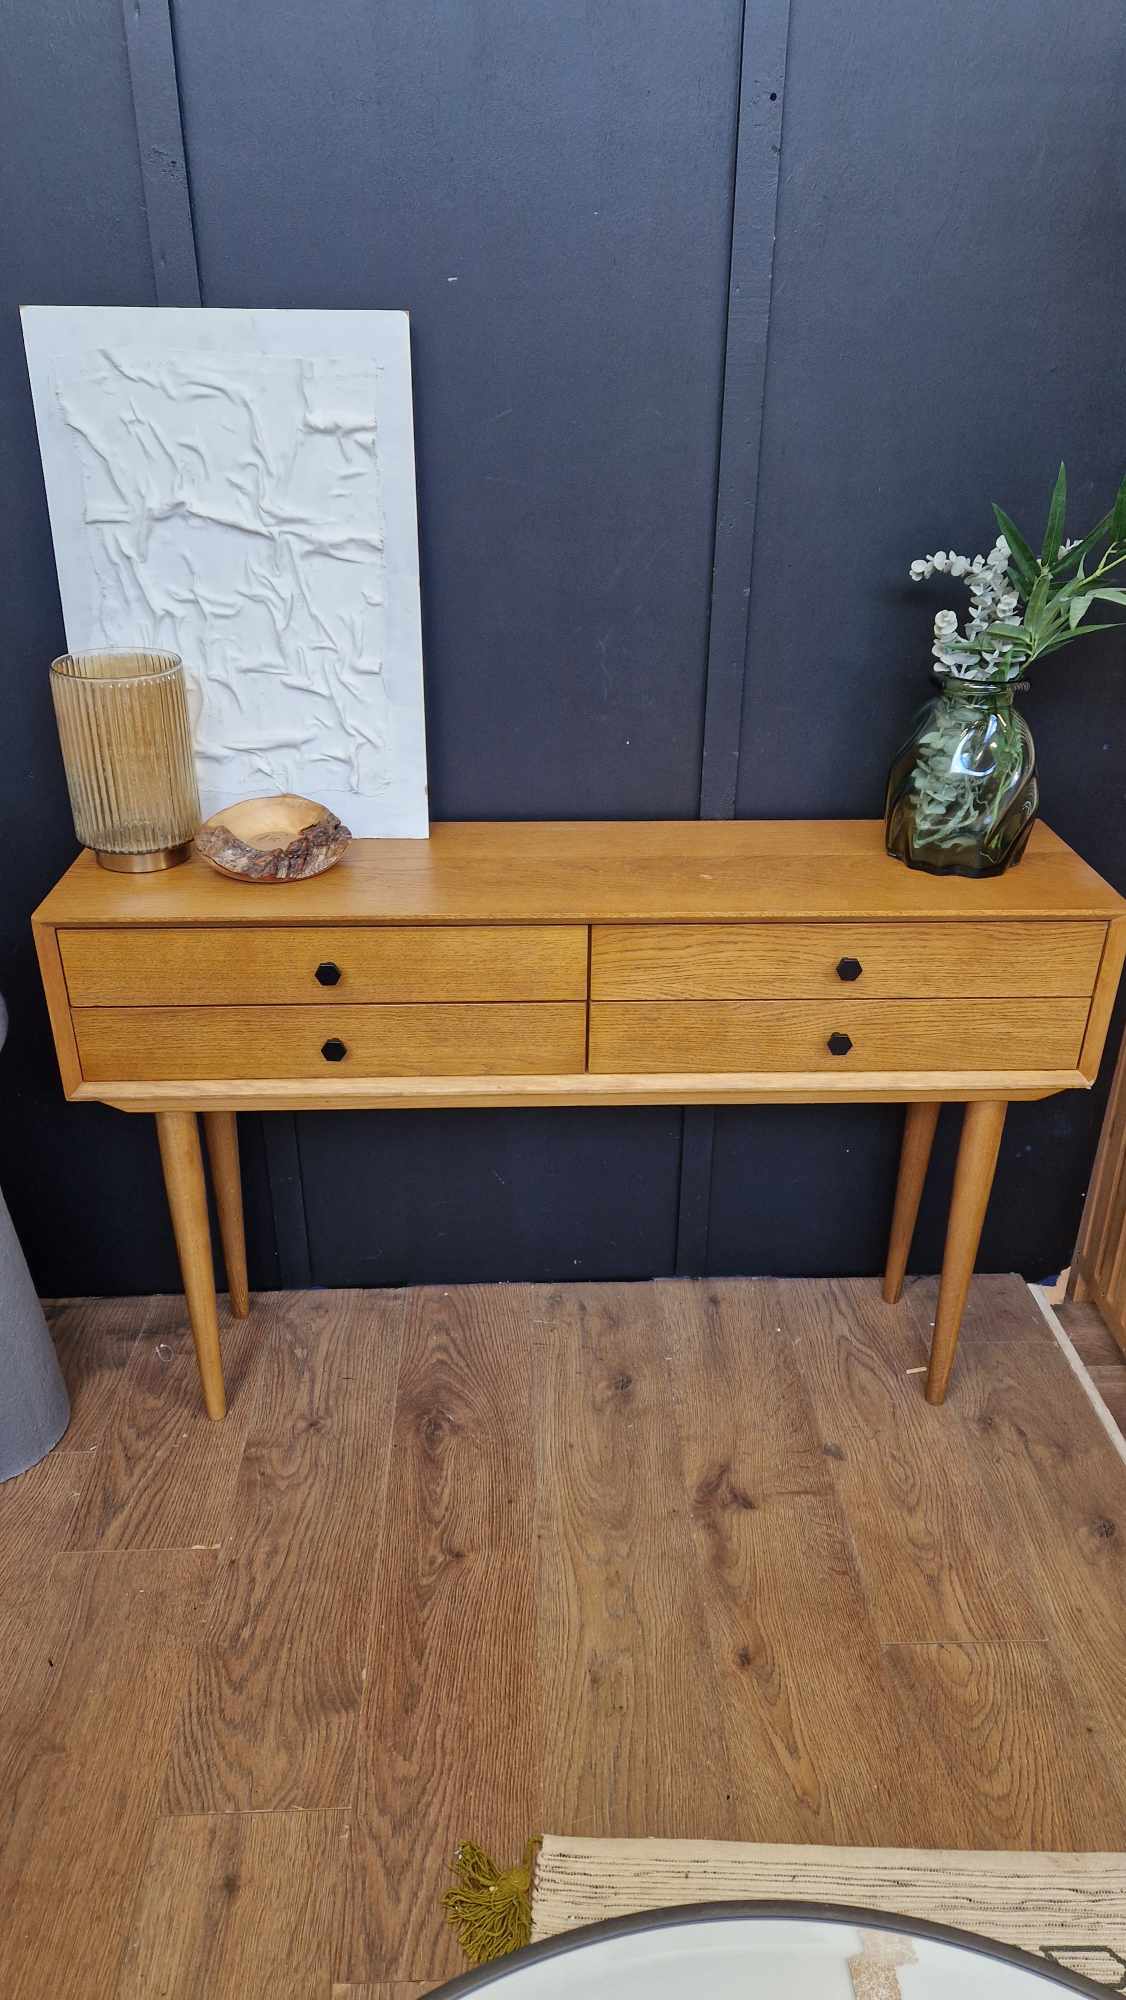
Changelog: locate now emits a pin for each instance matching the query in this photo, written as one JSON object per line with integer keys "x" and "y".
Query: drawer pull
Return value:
{"x": 328, "y": 974}
{"x": 839, "y": 1045}
{"x": 333, "y": 1050}
{"x": 849, "y": 968}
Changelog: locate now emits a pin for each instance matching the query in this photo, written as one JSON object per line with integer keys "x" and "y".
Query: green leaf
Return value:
{"x": 1009, "y": 635}
{"x": 1038, "y": 597}
{"x": 1023, "y": 564}
{"x": 1075, "y": 557}
{"x": 1066, "y": 638}
{"x": 1078, "y": 609}
{"x": 1111, "y": 596}
{"x": 1118, "y": 515}
{"x": 1053, "y": 533}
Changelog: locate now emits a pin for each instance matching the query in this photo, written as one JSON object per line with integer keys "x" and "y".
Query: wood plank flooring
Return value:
{"x": 676, "y": 1558}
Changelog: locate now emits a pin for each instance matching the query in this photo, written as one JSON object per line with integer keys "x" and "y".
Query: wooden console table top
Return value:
{"x": 613, "y": 962}
{"x": 599, "y": 871}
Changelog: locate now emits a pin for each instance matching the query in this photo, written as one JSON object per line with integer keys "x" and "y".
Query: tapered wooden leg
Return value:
{"x": 222, "y": 1151}
{"x": 914, "y": 1159}
{"x": 182, "y": 1161}
{"x": 982, "y": 1125}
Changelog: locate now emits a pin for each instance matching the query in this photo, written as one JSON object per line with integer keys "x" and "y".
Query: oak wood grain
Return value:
{"x": 58, "y": 1005}
{"x": 451, "y": 1744}
{"x": 997, "y": 1310}
{"x": 37, "y": 1512}
{"x": 1098, "y": 1271}
{"x": 906, "y": 961}
{"x": 391, "y": 1989}
{"x": 914, "y": 1159}
{"x": 626, "y": 1672}
{"x": 656, "y": 1035}
{"x": 197, "y": 967}
{"x": 1018, "y": 1765}
{"x": 492, "y": 1038}
{"x": 797, "y": 1658}
{"x": 864, "y": 1624}
{"x": 1041, "y": 1454}
{"x": 238, "y": 1903}
{"x": 221, "y": 1134}
{"x": 1109, "y": 1379}
{"x": 94, "y": 1340}
{"x": 1090, "y": 1335}
{"x": 490, "y": 1092}
{"x": 165, "y": 1474}
{"x": 93, "y": 1676}
{"x": 691, "y": 871}
{"x": 982, "y": 1126}
{"x": 181, "y": 1159}
{"x": 1103, "y": 998}
{"x": 915, "y": 1499}
{"x": 270, "y": 1716}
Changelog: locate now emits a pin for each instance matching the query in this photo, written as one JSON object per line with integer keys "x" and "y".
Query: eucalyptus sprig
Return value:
{"x": 1025, "y": 606}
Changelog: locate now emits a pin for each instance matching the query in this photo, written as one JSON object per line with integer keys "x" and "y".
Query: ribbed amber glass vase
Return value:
{"x": 123, "y": 726}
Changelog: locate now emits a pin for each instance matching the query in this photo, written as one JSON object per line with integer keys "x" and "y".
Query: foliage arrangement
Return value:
{"x": 1023, "y": 606}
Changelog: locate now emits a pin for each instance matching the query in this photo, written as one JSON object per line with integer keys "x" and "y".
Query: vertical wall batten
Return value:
{"x": 754, "y": 208}
{"x": 160, "y": 147}
{"x": 754, "y": 213}
{"x": 164, "y": 175}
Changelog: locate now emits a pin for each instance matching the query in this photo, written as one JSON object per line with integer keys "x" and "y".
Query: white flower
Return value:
{"x": 1007, "y": 604}
{"x": 939, "y": 559}
{"x": 945, "y": 624}
{"x": 959, "y": 565}
{"x": 1000, "y": 551}
{"x": 918, "y": 570}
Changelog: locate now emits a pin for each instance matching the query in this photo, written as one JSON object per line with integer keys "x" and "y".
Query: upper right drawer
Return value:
{"x": 884, "y": 961}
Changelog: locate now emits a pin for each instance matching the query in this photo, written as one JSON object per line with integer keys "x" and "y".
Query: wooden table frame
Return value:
{"x": 684, "y": 909}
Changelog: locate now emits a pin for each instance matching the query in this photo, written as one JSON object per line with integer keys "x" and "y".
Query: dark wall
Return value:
{"x": 576, "y": 203}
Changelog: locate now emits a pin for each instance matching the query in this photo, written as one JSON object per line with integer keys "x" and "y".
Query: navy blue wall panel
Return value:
{"x": 949, "y": 294}
{"x": 549, "y": 189}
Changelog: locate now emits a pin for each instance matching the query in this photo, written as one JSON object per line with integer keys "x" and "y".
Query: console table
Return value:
{"x": 665, "y": 962}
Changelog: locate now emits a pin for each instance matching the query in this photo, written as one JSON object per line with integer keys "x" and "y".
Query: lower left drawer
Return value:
{"x": 188, "y": 1044}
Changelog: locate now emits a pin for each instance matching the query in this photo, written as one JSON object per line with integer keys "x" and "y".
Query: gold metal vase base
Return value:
{"x": 144, "y": 864}
{"x": 126, "y": 744}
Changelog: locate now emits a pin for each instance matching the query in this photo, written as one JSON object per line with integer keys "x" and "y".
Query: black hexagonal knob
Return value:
{"x": 327, "y": 974}
{"x": 849, "y": 968}
{"x": 839, "y": 1045}
{"x": 333, "y": 1051}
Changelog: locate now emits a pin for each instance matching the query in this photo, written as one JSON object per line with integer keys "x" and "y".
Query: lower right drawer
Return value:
{"x": 667, "y": 1037}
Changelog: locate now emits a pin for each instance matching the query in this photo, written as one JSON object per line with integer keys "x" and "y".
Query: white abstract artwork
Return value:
{"x": 239, "y": 488}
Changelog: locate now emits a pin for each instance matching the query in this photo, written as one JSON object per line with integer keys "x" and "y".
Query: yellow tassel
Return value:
{"x": 490, "y": 1911}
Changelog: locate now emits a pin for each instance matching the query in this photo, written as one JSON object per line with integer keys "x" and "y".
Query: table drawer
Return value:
{"x": 172, "y": 1044}
{"x": 672, "y": 1037}
{"x": 777, "y": 961}
{"x": 210, "y": 965}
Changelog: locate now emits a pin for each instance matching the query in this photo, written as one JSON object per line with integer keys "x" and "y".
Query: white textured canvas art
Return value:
{"x": 238, "y": 488}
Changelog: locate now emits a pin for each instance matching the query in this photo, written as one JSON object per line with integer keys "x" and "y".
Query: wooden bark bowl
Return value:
{"x": 279, "y": 839}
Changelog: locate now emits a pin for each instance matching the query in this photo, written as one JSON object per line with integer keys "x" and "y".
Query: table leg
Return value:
{"x": 914, "y": 1159}
{"x": 182, "y": 1161}
{"x": 982, "y": 1125}
{"x": 222, "y": 1150}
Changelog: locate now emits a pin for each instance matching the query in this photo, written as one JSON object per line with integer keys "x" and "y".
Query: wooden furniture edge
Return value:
{"x": 58, "y": 1005}
{"x": 1106, "y": 1178}
{"x": 446, "y": 1093}
{"x": 1103, "y": 998}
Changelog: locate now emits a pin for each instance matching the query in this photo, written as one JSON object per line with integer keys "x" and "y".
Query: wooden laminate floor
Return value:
{"x": 685, "y": 1559}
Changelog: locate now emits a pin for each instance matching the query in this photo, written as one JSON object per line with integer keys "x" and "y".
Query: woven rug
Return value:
{"x": 1070, "y": 1908}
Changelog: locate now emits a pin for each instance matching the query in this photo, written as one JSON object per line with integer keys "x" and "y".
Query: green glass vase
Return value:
{"x": 962, "y": 793}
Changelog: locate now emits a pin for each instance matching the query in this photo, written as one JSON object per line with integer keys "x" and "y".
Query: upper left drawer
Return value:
{"x": 204, "y": 965}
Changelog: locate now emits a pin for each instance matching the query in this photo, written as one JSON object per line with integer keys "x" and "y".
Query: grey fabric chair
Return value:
{"x": 34, "y": 1405}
